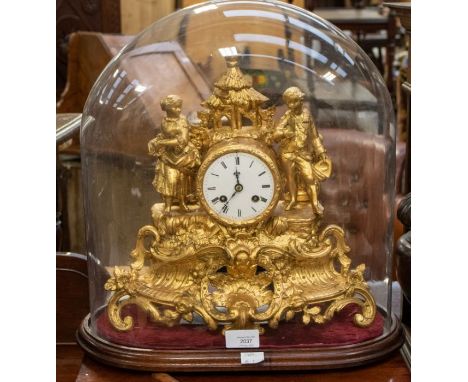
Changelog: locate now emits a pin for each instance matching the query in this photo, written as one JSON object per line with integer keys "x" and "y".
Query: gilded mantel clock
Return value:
{"x": 216, "y": 200}
{"x": 232, "y": 221}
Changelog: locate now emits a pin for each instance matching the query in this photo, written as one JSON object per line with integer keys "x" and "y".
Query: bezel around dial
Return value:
{"x": 240, "y": 145}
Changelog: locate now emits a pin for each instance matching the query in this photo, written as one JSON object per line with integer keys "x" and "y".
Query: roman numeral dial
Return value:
{"x": 239, "y": 187}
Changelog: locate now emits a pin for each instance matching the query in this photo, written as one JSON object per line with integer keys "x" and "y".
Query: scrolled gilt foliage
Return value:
{"x": 246, "y": 278}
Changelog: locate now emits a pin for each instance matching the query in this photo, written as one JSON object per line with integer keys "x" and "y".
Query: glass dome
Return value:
{"x": 199, "y": 60}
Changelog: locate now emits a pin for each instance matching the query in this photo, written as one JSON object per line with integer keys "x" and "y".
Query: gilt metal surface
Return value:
{"x": 247, "y": 273}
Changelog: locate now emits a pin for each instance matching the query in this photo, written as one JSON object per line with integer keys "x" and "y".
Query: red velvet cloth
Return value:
{"x": 145, "y": 334}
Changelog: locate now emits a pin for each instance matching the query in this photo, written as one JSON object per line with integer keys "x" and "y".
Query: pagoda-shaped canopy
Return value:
{"x": 234, "y": 96}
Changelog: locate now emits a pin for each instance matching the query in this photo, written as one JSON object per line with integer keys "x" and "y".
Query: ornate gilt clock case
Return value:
{"x": 238, "y": 170}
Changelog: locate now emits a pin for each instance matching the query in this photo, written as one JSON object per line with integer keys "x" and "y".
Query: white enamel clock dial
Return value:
{"x": 238, "y": 186}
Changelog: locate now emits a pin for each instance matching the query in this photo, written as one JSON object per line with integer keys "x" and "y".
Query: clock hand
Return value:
{"x": 235, "y": 192}
{"x": 225, "y": 204}
{"x": 238, "y": 187}
{"x": 237, "y": 173}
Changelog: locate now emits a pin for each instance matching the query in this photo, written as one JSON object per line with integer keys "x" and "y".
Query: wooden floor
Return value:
{"x": 73, "y": 366}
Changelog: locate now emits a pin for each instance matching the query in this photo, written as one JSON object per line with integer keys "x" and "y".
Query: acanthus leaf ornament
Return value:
{"x": 245, "y": 271}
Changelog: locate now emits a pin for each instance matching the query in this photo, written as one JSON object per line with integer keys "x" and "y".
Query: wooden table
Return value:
{"x": 354, "y": 19}
{"x": 72, "y": 366}
{"x": 362, "y": 22}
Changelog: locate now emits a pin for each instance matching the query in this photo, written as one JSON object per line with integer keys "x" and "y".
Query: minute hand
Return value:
{"x": 235, "y": 192}
{"x": 225, "y": 204}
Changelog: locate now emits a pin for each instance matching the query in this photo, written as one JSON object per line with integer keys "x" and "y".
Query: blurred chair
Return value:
{"x": 88, "y": 55}
{"x": 355, "y": 197}
{"x": 72, "y": 15}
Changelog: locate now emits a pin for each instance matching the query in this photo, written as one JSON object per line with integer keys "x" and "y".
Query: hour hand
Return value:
{"x": 236, "y": 174}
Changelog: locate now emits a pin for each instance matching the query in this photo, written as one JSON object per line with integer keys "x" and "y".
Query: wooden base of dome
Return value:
{"x": 183, "y": 360}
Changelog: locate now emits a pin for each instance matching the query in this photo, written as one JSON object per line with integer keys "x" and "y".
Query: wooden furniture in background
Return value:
{"x": 72, "y": 295}
{"x": 88, "y": 55}
{"x": 72, "y": 16}
{"x": 89, "y": 52}
{"x": 403, "y": 272}
{"x": 72, "y": 301}
{"x": 403, "y": 12}
{"x": 403, "y": 252}
{"x": 136, "y": 15}
{"x": 371, "y": 28}
{"x": 68, "y": 362}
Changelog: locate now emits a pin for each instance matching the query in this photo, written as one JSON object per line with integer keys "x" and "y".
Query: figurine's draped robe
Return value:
{"x": 174, "y": 165}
